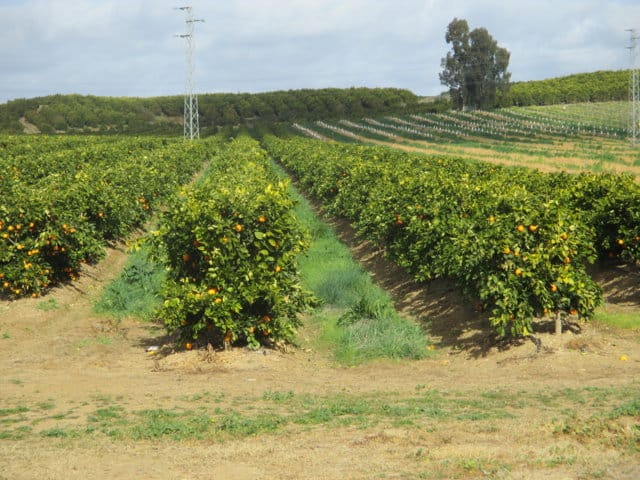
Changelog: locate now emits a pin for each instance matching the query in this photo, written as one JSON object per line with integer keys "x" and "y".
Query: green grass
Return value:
{"x": 358, "y": 320}
{"x": 48, "y": 305}
{"x": 571, "y": 415}
{"x": 626, "y": 320}
{"x": 136, "y": 292}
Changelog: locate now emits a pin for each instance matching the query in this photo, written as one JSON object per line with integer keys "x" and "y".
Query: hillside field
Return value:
{"x": 574, "y": 138}
{"x": 84, "y": 396}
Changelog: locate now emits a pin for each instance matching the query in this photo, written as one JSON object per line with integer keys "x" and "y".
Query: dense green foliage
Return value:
{"x": 230, "y": 244}
{"x": 597, "y": 86}
{"x": 63, "y": 198}
{"x": 475, "y": 70}
{"x": 77, "y": 113}
{"x": 517, "y": 240}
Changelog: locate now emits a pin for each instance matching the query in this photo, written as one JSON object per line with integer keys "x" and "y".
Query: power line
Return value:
{"x": 191, "y": 119}
{"x": 634, "y": 88}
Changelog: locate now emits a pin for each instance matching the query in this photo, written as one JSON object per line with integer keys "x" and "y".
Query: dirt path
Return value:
{"x": 61, "y": 366}
{"x": 28, "y": 128}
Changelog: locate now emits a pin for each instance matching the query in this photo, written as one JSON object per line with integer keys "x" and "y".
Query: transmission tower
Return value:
{"x": 191, "y": 121}
{"x": 634, "y": 89}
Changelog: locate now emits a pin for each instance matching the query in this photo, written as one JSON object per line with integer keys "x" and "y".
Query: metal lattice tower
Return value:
{"x": 634, "y": 89}
{"x": 191, "y": 120}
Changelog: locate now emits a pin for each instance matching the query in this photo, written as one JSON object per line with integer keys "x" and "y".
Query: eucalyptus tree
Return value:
{"x": 475, "y": 70}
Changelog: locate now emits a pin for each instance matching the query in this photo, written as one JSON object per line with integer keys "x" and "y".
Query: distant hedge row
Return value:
{"x": 78, "y": 113}
{"x": 598, "y": 86}
{"x": 91, "y": 114}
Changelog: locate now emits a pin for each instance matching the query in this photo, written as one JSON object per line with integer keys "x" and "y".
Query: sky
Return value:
{"x": 132, "y": 47}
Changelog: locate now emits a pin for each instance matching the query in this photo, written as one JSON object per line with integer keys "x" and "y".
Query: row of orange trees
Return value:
{"x": 64, "y": 198}
{"x": 517, "y": 240}
{"x": 230, "y": 243}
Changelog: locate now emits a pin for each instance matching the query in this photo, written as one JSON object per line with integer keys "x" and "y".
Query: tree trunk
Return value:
{"x": 558, "y": 324}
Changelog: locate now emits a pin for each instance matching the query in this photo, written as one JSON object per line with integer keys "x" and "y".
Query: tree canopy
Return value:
{"x": 475, "y": 70}
{"x": 77, "y": 113}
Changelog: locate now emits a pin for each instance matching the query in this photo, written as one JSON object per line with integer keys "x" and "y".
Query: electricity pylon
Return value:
{"x": 191, "y": 121}
{"x": 634, "y": 89}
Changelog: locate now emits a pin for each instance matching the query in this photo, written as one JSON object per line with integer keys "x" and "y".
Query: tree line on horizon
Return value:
{"x": 94, "y": 114}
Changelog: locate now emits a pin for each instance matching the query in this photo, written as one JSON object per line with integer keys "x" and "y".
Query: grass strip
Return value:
{"x": 136, "y": 291}
{"x": 358, "y": 320}
{"x": 606, "y": 416}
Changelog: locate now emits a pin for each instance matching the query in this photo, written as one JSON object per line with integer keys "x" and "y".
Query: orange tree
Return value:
{"x": 65, "y": 197}
{"x": 517, "y": 240}
{"x": 230, "y": 244}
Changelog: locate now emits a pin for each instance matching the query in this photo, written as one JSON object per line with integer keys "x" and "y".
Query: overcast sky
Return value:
{"x": 129, "y": 47}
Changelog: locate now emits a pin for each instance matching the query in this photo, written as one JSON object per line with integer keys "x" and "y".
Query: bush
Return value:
{"x": 230, "y": 246}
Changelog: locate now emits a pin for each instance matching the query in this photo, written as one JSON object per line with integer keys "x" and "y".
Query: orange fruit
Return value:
{"x": 620, "y": 242}
{"x": 518, "y": 271}
{"x": 188, "y": 345}
{"x": 533, "y": 228}
{"x": 554, "y": 287}
{"x": 278, "y": 268}
{"x": 520, "y": 228}
{"x": 262, "y": 219}
{"x": 238, "y": 227}
{"x": 563, "y": 236}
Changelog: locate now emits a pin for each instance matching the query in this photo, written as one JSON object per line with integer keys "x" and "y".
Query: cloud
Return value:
{"x": 128, "y": 47}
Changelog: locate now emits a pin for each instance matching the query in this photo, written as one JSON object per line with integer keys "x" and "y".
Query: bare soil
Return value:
{"x": 68, "y": 359}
